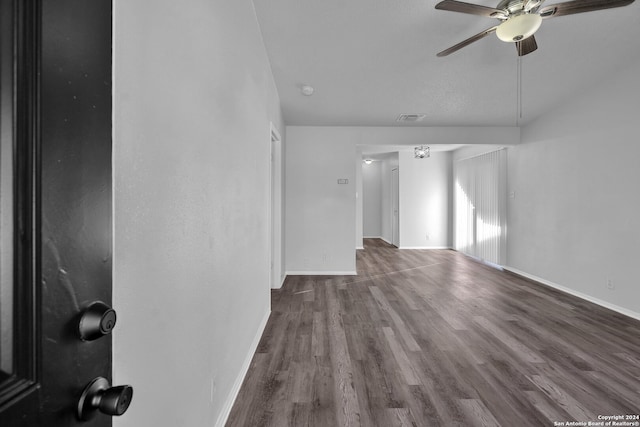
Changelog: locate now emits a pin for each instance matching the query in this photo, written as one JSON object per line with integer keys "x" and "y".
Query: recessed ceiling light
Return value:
{"x": 306, "y": 90}
{"x": 368, "y": 161}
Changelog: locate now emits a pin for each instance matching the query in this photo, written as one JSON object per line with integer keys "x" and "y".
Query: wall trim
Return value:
{"x": 359, "y": 247}
{"x": 322, "y": 273}
{"x": 424, "y": 247}
{"x": 575, "y": 293}
{"x": 282, "y": 279}
{"x": 233, "y": 394}
{"x": 378, "y": 237}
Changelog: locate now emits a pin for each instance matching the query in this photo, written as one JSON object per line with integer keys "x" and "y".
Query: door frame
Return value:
{"x": 275, "y": 216}
{"x": 395, "y": 203}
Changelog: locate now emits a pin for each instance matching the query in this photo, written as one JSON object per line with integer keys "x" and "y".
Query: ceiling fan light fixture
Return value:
{"x": 421, "y": 152}
{"x": 519, "y": 27}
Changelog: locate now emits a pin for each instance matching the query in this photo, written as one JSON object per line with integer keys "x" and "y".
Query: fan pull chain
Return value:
{"x": 519, "y": 91}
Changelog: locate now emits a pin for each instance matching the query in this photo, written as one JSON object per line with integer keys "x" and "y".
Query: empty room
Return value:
{"x": 320, "y": 213}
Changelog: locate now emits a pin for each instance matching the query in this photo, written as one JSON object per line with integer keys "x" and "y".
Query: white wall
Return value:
{"x": 372, "y": 198}
{"x": 574, "y": 219}
{"x": 193, "y": 98}
{"x": 425, "y": 194}
{"x": 320, "y": 213}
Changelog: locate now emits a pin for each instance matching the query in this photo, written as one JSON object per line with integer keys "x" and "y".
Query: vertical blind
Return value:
{"x": 480, "y": 206}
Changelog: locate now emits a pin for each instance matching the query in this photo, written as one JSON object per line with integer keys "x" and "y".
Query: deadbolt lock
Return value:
{"x": 96, "y": 321}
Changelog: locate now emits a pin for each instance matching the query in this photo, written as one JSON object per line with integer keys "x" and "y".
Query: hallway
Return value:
{"x": 432, "y": 337}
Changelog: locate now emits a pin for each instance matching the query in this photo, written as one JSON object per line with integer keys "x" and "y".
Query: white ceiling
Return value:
{"x": 371, "y": 60}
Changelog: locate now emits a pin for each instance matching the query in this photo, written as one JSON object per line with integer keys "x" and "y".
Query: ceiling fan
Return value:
{"x": 521, "y": 18}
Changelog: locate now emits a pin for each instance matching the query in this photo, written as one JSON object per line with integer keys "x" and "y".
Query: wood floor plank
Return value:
{"x": 499, "y": 400}
{"x": 546, "y": 406}
{"x": 399, "y": 417}
{"x": 324, "y": 409}
{"x": 508, "y": 402}
{"x": 402, "y": 360}
{"x": 422, "y": 407}
{"x": 478, "y": 414}
{"x": 409, "y": 300}
{"x": 411, "y": 343}
{"x": 433, "y": 338}
{"x": 319, "y": 339}
{"x": 300, "y": 382}
{"x": 348, "y": 411}
{"x": 562, "y": 398}
{"x": 519, "y": 348}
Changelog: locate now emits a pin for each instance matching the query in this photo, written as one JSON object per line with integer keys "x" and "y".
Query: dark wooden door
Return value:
{"x": 56, "y": 132}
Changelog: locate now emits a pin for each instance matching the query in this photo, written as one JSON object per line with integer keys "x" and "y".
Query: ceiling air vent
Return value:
{"x": 411, "y": 117}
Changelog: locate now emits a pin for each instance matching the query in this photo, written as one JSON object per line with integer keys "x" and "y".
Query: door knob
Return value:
{"x": 96, "y": 321}
{"x": 99, "y": 396}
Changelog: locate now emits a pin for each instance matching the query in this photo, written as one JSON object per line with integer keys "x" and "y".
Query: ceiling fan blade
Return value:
{"x": 526, "y": 46}
{"x": 467, "y": 42}
{"x": 473, "y": 9}
{"x": 580, "y": 6}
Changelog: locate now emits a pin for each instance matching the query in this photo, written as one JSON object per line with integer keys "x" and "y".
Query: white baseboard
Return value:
{"x": 424, "y": 247}
{"x": 359, "y": 247}
{"x": 575, "y": 293}
{"x": 233, "y": 394}
{"x": 322, "y": 273}
{"x": 281, "y": 282}
{"x": 377, "y": 237}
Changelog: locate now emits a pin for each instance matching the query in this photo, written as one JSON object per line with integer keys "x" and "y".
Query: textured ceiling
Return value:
{"x": 371, "y": 60}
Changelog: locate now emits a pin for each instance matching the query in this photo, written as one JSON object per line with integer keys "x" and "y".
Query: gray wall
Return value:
{"x": 372, "y": 199}
{"x": 574, "y": 220}
{"x": 320, "y": 213}
{"x": 425, "y": 194}
{"x": 193, "y": 99}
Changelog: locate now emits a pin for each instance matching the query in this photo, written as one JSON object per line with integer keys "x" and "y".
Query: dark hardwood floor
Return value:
{"x": 434, "y": 338}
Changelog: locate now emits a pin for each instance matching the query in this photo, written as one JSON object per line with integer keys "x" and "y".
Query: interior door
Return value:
{"x": 56, "y": 148}
{"x": 395, "y": 207}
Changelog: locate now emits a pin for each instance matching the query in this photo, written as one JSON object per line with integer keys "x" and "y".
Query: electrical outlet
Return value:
{"x": 610, "y": 284}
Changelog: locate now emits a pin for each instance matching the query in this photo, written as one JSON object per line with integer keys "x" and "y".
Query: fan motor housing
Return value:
{"x": 511, "y": 5}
